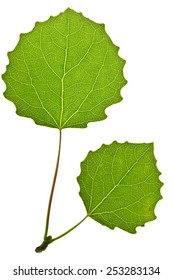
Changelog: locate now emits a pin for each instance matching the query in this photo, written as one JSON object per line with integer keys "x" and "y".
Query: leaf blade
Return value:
{"x": 65, "y": 72}
{"x": 119, "y": 185}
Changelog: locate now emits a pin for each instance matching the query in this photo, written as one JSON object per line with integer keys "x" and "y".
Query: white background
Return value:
{"x": 144, "y": 30}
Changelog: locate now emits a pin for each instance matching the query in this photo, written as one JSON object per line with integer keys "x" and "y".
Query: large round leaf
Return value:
{"x": 65, "y": 72}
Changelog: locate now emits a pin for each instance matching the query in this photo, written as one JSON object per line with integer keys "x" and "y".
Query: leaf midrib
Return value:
{"x": 64, "y": 73}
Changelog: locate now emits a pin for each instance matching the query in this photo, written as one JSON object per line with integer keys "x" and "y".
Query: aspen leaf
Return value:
{"x": 120, "y": 186}
{"x": 65, "y": 72}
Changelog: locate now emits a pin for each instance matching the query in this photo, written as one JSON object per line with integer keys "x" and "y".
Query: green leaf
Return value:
{"x": 65, "y": 72}
{"x": 120, "y": 186}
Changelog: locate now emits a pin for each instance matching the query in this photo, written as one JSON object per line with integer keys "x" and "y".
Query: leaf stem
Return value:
{"x": 48, "y": 239}
{"x": 69, "y": 230}
{"x": 53, "y": 187}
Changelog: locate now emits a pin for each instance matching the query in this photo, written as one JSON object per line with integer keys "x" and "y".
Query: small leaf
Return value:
{"x": 65, "y": 72}
{"x": 120, "y": 186}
